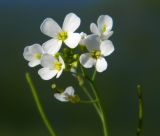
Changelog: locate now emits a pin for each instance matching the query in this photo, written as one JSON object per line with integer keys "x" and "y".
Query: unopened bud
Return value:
{"x": 53, "y": 86}
{"x": 74, "y": 64}
{"x": 75, "y": 56}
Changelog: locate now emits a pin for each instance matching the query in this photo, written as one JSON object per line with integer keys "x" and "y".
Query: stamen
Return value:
{"x": 58, "y": 66}
{"x": 37, "y": 56}
{"x": 95, "y": 54}
{"x": 62, "y": 36}
{"x": 104, "y": 28}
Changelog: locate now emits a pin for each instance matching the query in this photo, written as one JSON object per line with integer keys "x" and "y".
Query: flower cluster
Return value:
{"x": 81, "y": 49}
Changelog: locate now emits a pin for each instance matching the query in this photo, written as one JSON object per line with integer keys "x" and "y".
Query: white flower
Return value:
{"x": 51, "y": 67}
{"x": 83, "y": 37}
{"x": 97, "y": 51}
{"x": 66, "y": 95}
{"x": 33, "y": 54}
{"x": 103, "y": 30}
{"x": 65, "y": 34}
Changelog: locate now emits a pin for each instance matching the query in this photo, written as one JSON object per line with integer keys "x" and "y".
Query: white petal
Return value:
{"x": 94, "y": 28}
{"x": 72, "y": 40}
{"x": 46, "y": 73}
{"x": 107, "y": 35}
{"x": 63, "y": 66}
{"x": 105, "y": 20}
{"x": 52, "y": 46}
{"x": 59, "y": 73}
{"x": 36, "y": 48}
{"x": 62, "y": 62}
{"x": 92, "y": 42}
{"x": 71, "y": 22}
{"x": 106, "y": 47}
{"x": 27, "y": 54}
{"x": 50, "y": 27}
{"x": 48, "y": 61}
{"x": 34, "y": 63}
{"x": 69, "y": 91}
{"x": 83, "y": 37}
{"x": 86, "y": 60}
{"x": 30, "y": 51}
{"x": 101, "y": 64}
{"x": 60, "y": 97}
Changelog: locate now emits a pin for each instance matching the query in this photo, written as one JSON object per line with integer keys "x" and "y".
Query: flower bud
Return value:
{"x": 75, "y": 56}
{"x": 74, "y": 64}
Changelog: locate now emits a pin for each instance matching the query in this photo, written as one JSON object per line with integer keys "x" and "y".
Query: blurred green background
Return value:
{"x": 135, "y": 61}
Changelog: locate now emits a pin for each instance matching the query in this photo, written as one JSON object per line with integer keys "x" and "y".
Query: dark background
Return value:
{"x": 135, "y": 61}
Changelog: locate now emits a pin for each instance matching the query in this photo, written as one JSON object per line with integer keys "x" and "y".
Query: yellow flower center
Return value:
{"x": 58, "y": 66}
{"x": 37, "y": 56}
{"x": 104, "y": 28}
{"x": 95, "y": 54}
{"x": 62, "y": 36}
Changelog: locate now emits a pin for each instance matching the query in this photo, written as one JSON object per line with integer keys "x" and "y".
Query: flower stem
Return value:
{"x": 140, "y": 111}
{"x": 103, "y": 118}
{"x": 91, "y": 98}
{"x": 39, "y": 106}
{"x": 88, "y": 102}
{"x": 94, "y": 75}
{"x": 98, "y": 106}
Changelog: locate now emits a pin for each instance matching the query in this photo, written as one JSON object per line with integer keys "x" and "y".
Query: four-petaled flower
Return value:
{"x": 48, "y": 54}
{"x": 51, "y": 67}
{"x": 97, "y": 51}
{"x": 103, "y": 30}
{"x": 65, "y": 34}
{"x": 33, "y": 54}
{"x": 65, "y": 96}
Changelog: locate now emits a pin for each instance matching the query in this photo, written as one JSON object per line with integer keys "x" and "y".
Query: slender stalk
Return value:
{"x": 103, "y": 119}
{"x": 88, "y": 102}
{"x": 94, "y": 75}
{"x": 99, "y": 107}
{"x": 39, "y": 106}
{"x": 140, "y": 111}
{"x": 91, "y": 98}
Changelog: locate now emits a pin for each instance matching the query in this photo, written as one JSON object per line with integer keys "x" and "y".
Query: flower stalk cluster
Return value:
{"x": 73, "y": 52}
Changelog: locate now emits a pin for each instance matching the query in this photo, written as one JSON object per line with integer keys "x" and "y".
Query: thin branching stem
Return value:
{"x": 103, "y": 119}
{"x": 88, "y": 101}
{"x": 39, "y": 106}
{"x": 99, "y": 106}
{"x": 91, "y": 98}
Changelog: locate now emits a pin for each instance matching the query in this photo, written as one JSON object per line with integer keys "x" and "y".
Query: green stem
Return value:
{"x": 90, "y": 97}
{"x": 103, "y": 118}
{"x": 140, "y": 111}
{"x": 94, "y": 75}
{"x": 88, "y": 102}
{"x": 39, "y": 106}
{"x": 98, "y": 106}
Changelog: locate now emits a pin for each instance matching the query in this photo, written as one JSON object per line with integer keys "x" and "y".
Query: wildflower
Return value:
{"x": 67, "y": 95}
{"x": 51, "y": 67}
{"x": 65, "y": 34}
{"x": 33, "y": 54}
{"x": 97, "y": 51}
{"x": 103, "y": 30}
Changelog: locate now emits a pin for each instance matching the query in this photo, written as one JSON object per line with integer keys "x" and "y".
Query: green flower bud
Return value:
{"x": 53, "y": 86}
{"x": 56, "y": 55}
{"x": 75, "y": 56}
{"x": 66, "y": 51}
{"x": 74, "y": 64}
